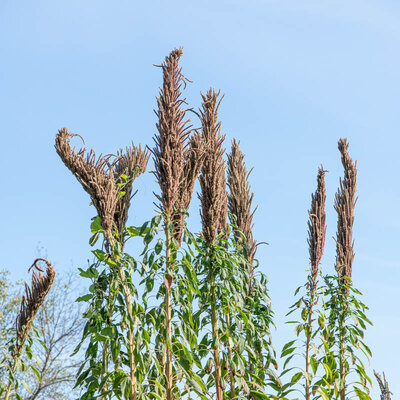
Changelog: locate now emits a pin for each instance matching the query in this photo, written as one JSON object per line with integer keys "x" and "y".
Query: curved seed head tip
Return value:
{"x": 31, "y": 302}
{"x": 96, "y": 176}
{"x": 101, "y": 177}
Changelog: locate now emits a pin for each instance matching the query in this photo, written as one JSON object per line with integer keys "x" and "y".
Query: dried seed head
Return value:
{"x": 101, "y": 178}
{"x": 194, "y": 159}
{"x": 212, "y": 179}
{"x": 345, "y": 201}
{"x": 177, "y": 157}
{"x": 316, "y": 226}
{"x": 240, "y": 199}
{"x": 128, "y": 167}
{"x": 32, "y": 301}
{"x": 172, "y": 134}
{"x": 95, "y": 175}
{"x": 383, "y": 385}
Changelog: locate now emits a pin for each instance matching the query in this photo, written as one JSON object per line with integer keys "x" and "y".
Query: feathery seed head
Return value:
{"x": 240, "y": 199}
{"x": 345, "y": 201}
{"x": 177, "y": 157}
{"x": 212, "y": 179}
{"x": 170, "y": 142}
{"x": 96, "y": 176}
{"x": 128, "y": 167}
{"x": 194, "y": 159}
{"x": 316, "y": 226}
{"x": 32, "y": 301}
{"x": 100, "y": 176}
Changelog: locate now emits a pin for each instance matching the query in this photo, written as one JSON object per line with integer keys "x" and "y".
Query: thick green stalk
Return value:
{"x": 14, "y": 368}
{"x": 342, "y": 347}
{"x": 131, "y": 334}
{"x": 214, "y": 323}
{"x": 131, "y": 322}
{"x": 230, "y": 358}
{"x": 168, "y": 313}
{"x": 106, "y": 353}
{"x": 308, "y": 344}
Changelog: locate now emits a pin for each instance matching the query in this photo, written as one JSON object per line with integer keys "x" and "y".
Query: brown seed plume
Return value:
{"x": 212, "y": 179}
{"x": 240, "y": 199}
{"x": 94, "y": 174}
{"x": 131, "y": 163}
{"x": 32, "y": 301}
{"x": 172, "y": 134}
{"x": 177, "y": 157}
{"x": 383, "y": 385}
{"x": 345, "y": 201}
{"x": 194, "y": 159}
{"x": 100, "y": 176}
{"x": 316, "y": 226}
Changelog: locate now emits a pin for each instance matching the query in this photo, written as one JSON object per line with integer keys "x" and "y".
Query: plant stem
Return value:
{"x": 131, "y": 321}
{"x": 308, "y": 343}
{"x": 106, "y": 354}
{"x": 14, "y": 368}
{"x": 131, "y": 334}
{"x": 342, "y": 347}
{"x": 214, "y": 323}
{"x": 168, "y": 312}
{"x": 230, "y": 358}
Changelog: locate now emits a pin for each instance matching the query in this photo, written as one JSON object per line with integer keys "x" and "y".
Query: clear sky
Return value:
{"x": 297, "y": 75}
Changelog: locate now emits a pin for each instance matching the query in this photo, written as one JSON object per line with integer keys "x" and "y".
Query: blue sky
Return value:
{"x": 297, "y": 76}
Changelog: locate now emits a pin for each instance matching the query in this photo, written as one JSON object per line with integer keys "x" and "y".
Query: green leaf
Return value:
{"x": 108, "y": 331}
{"x": 95, "y": 226}
{"x": 86, "y": 297}
{"x": 99, "y": 254}
{"x": 28, "y": 389}
{"x": 287, "y": 345}
{"x": 148, "y": 237}
{"x": 259, "y": 395}
{"x": 314, "y": 364}
{"x": 36, "y": 373}
{"x": 133, "y": 231}
{"x": 158, "y": 246}
{"x": 288, "y": 351}
{"x": 93, "y": 239}
{"x": 299, "y": 328}
{"x": 296, "y": 377}
{"x": 304, "y": 314}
